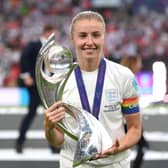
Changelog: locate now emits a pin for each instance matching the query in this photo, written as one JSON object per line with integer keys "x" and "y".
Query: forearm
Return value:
{"x": 133, "y": 134}
{"x": 131, "y": 138}
{"x": 54, "y": 136}
{"x": 52, "y": 115}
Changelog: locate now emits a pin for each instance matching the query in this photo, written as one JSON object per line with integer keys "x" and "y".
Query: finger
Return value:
{"x": 106, "y": 152}
{"x": 56, "y": 120}
{"x": 56, "y": 111}
{"x": 111, "y": 150}
{"x": 55, "y": 115}
{"x": 98, "y": 156}
{"x": 55, "y": 106}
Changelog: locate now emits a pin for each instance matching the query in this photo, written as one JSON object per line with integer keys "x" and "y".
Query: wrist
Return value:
{"x": 48, "y": 127}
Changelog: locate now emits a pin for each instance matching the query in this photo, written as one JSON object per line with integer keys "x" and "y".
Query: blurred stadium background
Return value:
{"x": 133, "y": 27}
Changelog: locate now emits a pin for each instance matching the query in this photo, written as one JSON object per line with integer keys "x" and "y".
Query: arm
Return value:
{"x": 130, "y": 110}
{"x": 53, "y": 115}
{"x": 134, "y": 129}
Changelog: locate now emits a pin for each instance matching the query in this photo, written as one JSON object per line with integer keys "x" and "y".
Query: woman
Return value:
{"x": 117, "y": 100}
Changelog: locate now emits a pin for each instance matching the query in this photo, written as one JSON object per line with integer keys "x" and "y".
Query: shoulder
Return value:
{"x": 34, "y": 43}
{"x": 118, "y": 69}
{"x": 32, "y": 47}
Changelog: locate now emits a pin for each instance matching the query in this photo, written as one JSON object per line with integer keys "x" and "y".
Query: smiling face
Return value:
{"x": 88, "y": 38}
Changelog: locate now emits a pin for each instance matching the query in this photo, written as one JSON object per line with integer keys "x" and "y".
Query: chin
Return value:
{"x": 90, "y": 57}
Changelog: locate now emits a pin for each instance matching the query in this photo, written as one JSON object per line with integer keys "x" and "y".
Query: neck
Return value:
{"x": 89, "y": 64}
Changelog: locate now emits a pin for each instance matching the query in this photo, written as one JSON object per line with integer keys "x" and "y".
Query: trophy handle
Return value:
{"x": 49, "y": 89}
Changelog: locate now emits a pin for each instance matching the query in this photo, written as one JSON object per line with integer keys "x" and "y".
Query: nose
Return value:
{"x": 89, "y": 39}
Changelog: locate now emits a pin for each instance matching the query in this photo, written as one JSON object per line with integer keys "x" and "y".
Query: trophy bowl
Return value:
{"x": 53, "y": 67}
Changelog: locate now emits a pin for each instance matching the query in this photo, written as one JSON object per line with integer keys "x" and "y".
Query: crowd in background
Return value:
{"x": 145, "y": 33}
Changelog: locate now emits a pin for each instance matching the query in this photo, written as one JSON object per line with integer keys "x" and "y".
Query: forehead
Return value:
{"x": 88, "y": 25}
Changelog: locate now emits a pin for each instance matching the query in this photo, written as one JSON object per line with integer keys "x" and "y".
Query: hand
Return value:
{"x": 28, "y": 81}
{"x": 110, "y": 151}
{"x": 54, "y": 114}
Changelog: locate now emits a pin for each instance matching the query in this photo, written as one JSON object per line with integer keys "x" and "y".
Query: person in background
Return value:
{"x": 117, "y": 101}
{"x": 27, "y": 76}
{"x": 134, "y": 63}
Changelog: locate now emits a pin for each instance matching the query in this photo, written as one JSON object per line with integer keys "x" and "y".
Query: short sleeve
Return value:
{"x": 130, "y": 102}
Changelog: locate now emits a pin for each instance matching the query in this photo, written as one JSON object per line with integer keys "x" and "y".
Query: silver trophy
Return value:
{"x": 53, "y": 68}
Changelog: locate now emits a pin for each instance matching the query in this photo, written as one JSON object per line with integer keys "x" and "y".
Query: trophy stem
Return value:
{"x": 60, "y": 92}
{"x": 64, "y": 129}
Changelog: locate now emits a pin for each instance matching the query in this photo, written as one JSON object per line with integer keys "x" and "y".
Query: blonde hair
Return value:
{"x": 87, "y": 15}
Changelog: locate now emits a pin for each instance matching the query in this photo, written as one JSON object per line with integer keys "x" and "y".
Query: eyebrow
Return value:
{"x": 83, "y": 32}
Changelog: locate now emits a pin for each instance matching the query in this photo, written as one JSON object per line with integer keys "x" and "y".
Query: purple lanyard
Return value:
{"x": 99, "y": 89}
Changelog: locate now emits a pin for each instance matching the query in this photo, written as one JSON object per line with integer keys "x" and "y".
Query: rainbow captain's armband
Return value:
{"x": 130, "y": 105}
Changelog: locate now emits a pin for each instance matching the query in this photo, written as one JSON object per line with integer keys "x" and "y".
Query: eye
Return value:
{"x": 96, "y": 34}
{"x": 82, "y": 35}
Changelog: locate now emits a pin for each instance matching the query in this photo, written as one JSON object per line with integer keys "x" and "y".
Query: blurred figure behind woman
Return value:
{"x": 27, "y": 76}
{"x": 133, "y": 62}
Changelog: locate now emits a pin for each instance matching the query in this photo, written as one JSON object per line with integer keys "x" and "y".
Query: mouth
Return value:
{"x": 89, "y": 49}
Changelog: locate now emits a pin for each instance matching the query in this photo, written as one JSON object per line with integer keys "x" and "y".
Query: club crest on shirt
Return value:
{"x": 111, "y": 95}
